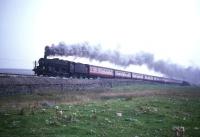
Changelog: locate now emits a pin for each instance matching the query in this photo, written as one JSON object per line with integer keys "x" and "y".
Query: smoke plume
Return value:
{"x": 170, "y": 70}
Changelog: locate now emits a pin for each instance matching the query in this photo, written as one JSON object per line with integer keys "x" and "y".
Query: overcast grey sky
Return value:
{"x": 169, "y": 29}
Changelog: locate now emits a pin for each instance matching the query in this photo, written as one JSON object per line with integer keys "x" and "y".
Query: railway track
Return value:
{"x": 16, "y": 75}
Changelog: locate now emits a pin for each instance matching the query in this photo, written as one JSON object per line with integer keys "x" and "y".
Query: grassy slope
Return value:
{"x": 146, "y": 116}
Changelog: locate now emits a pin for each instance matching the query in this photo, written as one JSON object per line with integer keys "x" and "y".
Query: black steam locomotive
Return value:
{"x": 63, "y": 68}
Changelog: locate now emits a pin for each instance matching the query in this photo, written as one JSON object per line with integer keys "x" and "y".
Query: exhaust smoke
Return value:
{"x": 170, "y": 70}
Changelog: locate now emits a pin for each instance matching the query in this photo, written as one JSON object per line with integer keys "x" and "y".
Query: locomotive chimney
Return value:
{"x": 46, "y": 52}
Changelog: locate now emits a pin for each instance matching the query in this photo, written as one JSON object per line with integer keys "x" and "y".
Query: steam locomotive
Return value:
{"x": 63, "y": 68}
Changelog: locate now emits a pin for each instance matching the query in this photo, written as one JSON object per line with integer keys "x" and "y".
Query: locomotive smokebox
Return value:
{"x": 46, "y": 52}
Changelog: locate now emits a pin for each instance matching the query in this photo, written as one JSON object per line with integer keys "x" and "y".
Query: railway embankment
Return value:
{"x": 19, "y": 84}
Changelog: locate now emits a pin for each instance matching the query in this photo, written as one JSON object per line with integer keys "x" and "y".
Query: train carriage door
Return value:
{"x": 87, "y": 70}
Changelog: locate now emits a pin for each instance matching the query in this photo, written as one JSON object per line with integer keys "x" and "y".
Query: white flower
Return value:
{"x": 60, "y": 112}
{"x": 56, "y": 107}
{"x": 119, "y": 114}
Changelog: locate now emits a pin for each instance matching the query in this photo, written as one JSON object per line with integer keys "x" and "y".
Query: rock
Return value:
{"x": 179, "y": 131}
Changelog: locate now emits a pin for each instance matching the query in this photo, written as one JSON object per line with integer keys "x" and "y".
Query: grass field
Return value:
{"x": 140, "y": 110}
